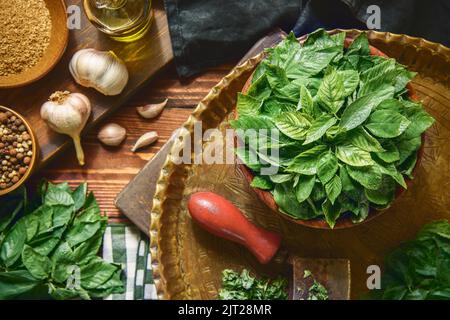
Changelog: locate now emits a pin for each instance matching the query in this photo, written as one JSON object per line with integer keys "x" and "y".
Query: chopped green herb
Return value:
{"x": 243, "y": 286}
{"x": 316, "y": 291}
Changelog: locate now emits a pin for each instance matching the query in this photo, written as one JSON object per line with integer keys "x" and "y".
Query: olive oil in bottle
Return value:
{"x": 122, "y": 20}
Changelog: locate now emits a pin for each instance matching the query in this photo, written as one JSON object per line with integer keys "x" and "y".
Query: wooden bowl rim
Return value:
{"x": 39, "y": 70}
{"x": 320, "y": 223}
{"x": 34, "y": 158}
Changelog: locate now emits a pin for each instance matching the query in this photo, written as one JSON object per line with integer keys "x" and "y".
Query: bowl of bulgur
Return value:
{"x": 18, "y": 150}
{"x": 33, "y": 38}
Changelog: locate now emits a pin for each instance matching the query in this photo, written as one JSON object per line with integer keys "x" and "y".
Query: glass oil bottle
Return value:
{"x": 122, "y": 20}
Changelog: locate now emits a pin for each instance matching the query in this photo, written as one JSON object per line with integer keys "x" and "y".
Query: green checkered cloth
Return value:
{"x": 126, "y": 245}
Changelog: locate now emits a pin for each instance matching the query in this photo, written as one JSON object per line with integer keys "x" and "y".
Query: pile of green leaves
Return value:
{"x": 419, "y": 269}
{"x": 348, "y": 131}
{"x": 242, "y": 286}
{"x": 48, "y": 247}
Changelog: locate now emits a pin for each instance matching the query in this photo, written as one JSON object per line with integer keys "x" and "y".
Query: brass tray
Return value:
{"x": 187, "y": 262}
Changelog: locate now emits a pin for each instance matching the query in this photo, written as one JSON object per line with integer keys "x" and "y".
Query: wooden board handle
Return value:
{"x": 220, "y": 217}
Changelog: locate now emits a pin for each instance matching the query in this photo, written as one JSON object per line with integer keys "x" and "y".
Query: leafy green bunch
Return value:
{"x": 419, "y": 269}
{"x": 348, "y": 131}
{"x": 48, "y": 247}
{"x": 243, "y": 286}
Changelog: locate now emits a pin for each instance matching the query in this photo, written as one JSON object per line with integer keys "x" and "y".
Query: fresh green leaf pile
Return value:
{"x": 419, "y": 269}
{"x": 242, "y": 286}
{"x": 316, "y": 291}
{"x": 349, "y": 133}
{"x": 51, "y": 250}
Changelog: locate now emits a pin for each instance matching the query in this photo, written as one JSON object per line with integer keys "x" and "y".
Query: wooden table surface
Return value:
{"x": 107, "y": 169}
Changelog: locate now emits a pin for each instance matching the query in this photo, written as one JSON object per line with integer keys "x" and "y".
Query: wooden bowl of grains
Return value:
{"x": 19, "y": 150}
{"x": 33, "y": 38}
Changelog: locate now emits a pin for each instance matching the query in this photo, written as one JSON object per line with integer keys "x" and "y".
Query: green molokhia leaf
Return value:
{"x": 391, "y": 170}
{"x": 260, "y": 89}
{"x": 408, "y": 166}
{"x": 304, "y": 187}
{"x": 274, "y": 107}
{"x": 387, "y": 124}
{"x": 419, "y": 118}
{"x": 306, "y": 103}
{"x": 358, "y": 112}
{"x": 408, "y": 147}
{"x": 359, "y": 46}
{"x": 327, "y": 167}
{"x": 12, "y": 245}
{"x": 307, "y": 162}
{"x": 331, "y": 212}
{"x": 82, "y": 232}
{"x": 385, "y": 194}
{"x": 354, "y": 156}
{"x": 331, "y": 91}
{"x": 79, "y": 196}
{"x": 360, "y": 138}
{"x": 263, "y": 183}
{"x": 286, "y": 199}
{"x": 369, "y": 177}
{"x": 16, "y": 283}
{"x": 375, "y": 81}
{"x": 391, "y": 153}
{"x": 37, "y": 264}
{"x": 319, "y": 127}
{"x": 293, "y": 124}
{"x": 249, "y": 158}
{"x": 351, "y": 81}
{"x": 333, "y": 188}
{"x": 281, "y": 178}
{"x": 58, "y": 196}
{"x": 276, "y": 76}
{"x": 378, "y": 69}
{"x": 96, "y": 273}
{"x": 247, "y": 105}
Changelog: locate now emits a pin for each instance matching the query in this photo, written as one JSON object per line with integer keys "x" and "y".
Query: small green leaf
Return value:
{"x": 306, "y": 103}
{"x": 16, "y": 283}
{"x": 327, "y": 167}
{"x": 387, "y": 124}
{"x": 384, "y": 195}
{"x": 333, "y": 188}
{"x": 354, "y": 156}
{"x": 319, "y": 127}
{"x": 247, "y": 105}
{"x": 358, "y": 112}
{"x": 304, "y": 187}
{"x": 351, "y": 81}
{"x": 306, "y": 163}
{"x": 391, "y": 153}
{"x": 12, "y": 244}
{"x": 293, "y": 124}
{"x": 331, "y": 212}
{"x": 37, "y": 264}
{"x": 262, "y": 183}
{"x": 369, "y": 177}
{"x": 331, "y": 91}
{"x": 363, "y": 140}
{"x": 281, "y": 178}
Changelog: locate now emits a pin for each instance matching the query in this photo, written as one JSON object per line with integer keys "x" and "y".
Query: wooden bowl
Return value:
{"x": 59, "y": 39}
{"x": 35, "y": 150}
{"x": 345, "y": 220}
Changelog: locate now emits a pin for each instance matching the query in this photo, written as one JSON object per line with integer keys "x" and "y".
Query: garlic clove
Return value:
{"x": 146, "y": 140}
{"x": 101, "y": 70}
{"x": 151, "y": 111}
{"x": 112, "y": 134}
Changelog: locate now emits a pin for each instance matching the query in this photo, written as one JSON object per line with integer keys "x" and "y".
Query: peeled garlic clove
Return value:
{"x": 146, "y": 140}
{"x": 151, "y": 111}
{"x": 112, "y": 134}
{"x": 101, "y": 70}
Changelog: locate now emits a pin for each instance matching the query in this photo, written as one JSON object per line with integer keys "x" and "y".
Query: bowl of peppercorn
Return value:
{"x": 18, "y": 150}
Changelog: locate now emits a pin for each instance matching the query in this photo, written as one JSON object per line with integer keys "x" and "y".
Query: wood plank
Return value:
{"x": 144, "y": 58}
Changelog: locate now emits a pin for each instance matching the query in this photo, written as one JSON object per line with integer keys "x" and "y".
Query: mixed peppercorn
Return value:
{"x": 16, "y": 151}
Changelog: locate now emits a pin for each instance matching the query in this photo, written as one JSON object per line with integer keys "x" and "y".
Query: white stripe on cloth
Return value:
{"x": 132, "y": 237}
{"x": 108, "y": 250}
{"x": 150, "y": 292}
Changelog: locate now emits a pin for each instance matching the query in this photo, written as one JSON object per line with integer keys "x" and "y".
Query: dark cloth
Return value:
{"x": 206, "y": 33}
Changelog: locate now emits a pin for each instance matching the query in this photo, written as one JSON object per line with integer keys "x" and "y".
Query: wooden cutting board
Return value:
{"x": 143, "y": 58}
{"x": 136, "y": 200}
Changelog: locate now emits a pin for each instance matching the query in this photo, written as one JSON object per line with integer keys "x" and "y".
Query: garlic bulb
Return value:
{"x": 67, "y": 113}
{"x": 101, "y": 70}
{"x": 112, "y": 134}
